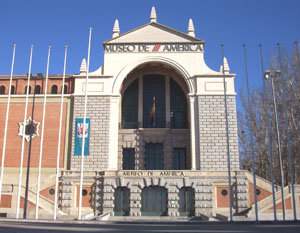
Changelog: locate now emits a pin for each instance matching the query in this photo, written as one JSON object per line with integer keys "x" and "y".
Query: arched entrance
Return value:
{"x": 187, "y": 201}
{"x": 121, "y": 201}
{"x": 154, "y": 201}
{"x": 154, "y": 119}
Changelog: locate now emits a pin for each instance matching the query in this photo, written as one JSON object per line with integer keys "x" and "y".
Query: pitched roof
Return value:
{"x": 152, "y": 33}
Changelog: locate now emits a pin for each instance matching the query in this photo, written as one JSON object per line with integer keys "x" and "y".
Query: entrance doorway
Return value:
{"x": 154, "y": 201}
{"x": 122, "y": 201}
{"x": 187, "y": 201}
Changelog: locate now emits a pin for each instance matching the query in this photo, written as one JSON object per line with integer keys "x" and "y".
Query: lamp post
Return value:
{"x": 32, "y": 129}
{"x": 268, "y": 75}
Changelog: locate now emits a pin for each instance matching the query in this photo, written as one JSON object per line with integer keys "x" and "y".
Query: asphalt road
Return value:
{"x": 40, "y": 227}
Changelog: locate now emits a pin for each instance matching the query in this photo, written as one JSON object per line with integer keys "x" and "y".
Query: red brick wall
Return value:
{"x": 86, "y": 200}
{"x": 288, "y": 204}
{"x": 14, "y": 142}
{"x": 222, "y": 201}
{"x": 20, "y": 85}
{"x": 5, "y": 201}
{"x": 45, "y": 192}
{"x": 263, "y": 193}
{"x": 29, "y": 203}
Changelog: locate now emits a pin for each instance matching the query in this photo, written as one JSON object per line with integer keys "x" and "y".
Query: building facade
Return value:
{"x": 156, "y": 137}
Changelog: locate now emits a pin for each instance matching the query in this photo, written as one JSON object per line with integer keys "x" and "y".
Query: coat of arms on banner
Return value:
{"x": 79, "y": 132}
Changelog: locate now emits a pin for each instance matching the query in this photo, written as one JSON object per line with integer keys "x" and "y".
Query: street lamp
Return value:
{"x": 268, "y": 75}
{"x": 31, "y": 129}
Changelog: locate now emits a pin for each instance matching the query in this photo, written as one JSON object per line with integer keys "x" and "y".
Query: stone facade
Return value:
{"x": 98, "y": 110}
{"x": 202, "y": 183}
{"x": 212, "y": 144}
{"x": 137, "y": 138}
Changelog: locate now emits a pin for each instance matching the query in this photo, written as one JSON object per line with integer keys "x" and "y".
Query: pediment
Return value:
{"x": 153, "y": 33}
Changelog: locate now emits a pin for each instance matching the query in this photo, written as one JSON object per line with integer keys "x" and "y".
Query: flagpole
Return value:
{"x": 251, "y": 134}
{"x": 6, "y": 120}
{"x": 227, "y": 137}
{"x": 287, "y": 134}
{"x": 84, "y": 123}
{"x": 23, "y": 135}
{"x": 269, "y": 131}
{"x": 42, "y": 139}
{"x": 59, "y": 134}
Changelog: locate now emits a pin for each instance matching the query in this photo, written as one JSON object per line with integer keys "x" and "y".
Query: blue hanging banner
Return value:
{"x": 79, "y": 134}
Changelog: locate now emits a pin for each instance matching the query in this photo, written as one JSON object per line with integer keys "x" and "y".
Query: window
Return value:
{"x": 38, "y": 89}
{"x": 65, "y": 89}
{"x": 128, "y": 159}
{"x": 130, "y": 106}
{"x": 12, "y": 90}
{"x": 179, "y": 159}
{"x": 29, "y": 91}
{"x": 54, "y": 89}
{"x": 154, "y": 98}
{"x": 2, "y": 90}
{"x": 178, "y": 107}
{"x": 154, "y": 156}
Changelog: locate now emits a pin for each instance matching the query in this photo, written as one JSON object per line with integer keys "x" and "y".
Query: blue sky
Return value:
{"x": 65, "y": 22}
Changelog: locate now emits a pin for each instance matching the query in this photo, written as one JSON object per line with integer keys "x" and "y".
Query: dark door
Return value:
{"x": 122, "y": 202}
{"x": 187, "y": 202}
{"x": 154, "y": 201}
{"x": 154, "y": 156}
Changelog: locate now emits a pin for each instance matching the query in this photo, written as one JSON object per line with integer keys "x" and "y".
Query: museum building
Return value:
{"x": 156, "y": 137}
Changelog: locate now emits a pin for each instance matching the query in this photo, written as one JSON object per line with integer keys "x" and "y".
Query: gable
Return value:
{"x": 152, "y": 33}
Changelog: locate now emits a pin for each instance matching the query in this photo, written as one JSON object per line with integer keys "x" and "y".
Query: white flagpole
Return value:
{"x": 42, "y": 139}
{"x": 84, "y": 123}
{"x": 6, "y": 120}
{"x": 59, "y": 134}
{"x": 23, "y": 134}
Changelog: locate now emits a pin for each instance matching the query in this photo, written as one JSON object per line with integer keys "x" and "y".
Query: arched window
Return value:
{"x": 154, "y": 101}
{"x": 12, "y": 90}
{"x": 130, "y": 106}
{"x": 54, "y": 89}
{"x": 65, "y": 89}
{"x": 29, "y": 91}
{"x": 38, "y": 89}
{"x": 2, "y": 90}
{"x": 178, "y": 107}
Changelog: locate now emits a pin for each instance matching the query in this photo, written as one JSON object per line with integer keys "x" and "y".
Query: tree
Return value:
{"x": 289, "y": 64}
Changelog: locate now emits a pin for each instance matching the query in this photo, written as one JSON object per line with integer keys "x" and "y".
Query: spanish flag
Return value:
{"x": 152, "y": 115}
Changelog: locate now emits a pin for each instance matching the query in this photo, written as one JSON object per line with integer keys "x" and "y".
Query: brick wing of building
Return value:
{"x": 156, "y": 134}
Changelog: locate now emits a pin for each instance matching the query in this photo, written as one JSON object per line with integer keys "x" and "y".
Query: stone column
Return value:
{"x": 135, "y": 201}
{"x": 140, "y": 102}
{"x": 192, "y": 131}
{"x": 168, "y": 118}
{"x": 113, "y": 132}
{"x": 173, "y": 201}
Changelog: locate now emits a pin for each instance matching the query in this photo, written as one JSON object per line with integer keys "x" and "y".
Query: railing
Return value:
{"x": 163, "y": 124}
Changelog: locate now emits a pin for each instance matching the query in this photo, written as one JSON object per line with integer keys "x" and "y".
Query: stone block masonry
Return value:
{"x": 98, "y": 110}
{"x": 212, "y": 148}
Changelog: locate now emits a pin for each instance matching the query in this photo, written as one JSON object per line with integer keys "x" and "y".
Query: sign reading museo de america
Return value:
{"x": 130, "y": 48}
